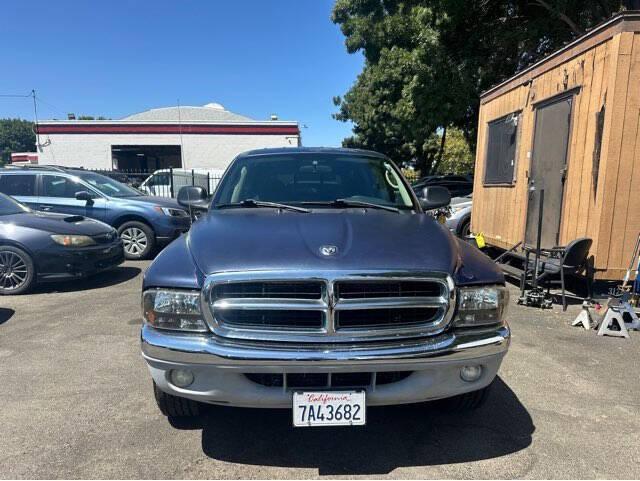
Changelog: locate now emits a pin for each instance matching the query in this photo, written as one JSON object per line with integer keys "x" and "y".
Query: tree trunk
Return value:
{"x": 438, "y": 160}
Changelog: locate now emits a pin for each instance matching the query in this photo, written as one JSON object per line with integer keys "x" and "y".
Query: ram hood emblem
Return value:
{"x": 328, "y": 251}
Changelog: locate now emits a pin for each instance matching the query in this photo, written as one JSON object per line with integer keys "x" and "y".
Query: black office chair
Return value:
{"x": 563, "y": 261}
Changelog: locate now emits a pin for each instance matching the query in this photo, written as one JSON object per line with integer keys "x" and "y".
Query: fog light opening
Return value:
{"x": 470, "y": 373}
{"x": 181, "y": 377}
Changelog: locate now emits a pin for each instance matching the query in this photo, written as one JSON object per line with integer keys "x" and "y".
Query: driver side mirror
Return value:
{"x": 84, "y": 195}
{"x": 191, "y": 196}
{"x": 435, "y": 197}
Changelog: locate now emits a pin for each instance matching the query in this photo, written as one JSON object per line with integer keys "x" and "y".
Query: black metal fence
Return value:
{"x": 164, "y": 182}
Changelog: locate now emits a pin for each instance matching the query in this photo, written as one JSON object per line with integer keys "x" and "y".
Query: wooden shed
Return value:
{"x": 568, "y": 124}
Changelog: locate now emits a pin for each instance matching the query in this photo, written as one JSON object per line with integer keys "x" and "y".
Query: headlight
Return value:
{"x": 73, "y": 240}
{"x": 172, "y": 212}
{"x": 169, "y": 309}
{"x": 481, "y": 306}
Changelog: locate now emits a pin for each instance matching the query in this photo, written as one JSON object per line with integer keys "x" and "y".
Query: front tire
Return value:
{"x": 174, "y": 406}
{"x": 466, "y": 402}
{"x": 17, "y": 271}
{"x": 138, "y": 238}
{"x": 464, "y": 231}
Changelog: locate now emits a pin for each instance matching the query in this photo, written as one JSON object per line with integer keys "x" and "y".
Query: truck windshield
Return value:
{"x": 108, "y": 186}
{"x": 314, "y": 180}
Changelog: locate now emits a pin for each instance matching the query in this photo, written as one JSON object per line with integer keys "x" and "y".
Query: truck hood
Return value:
{"x": 265, "y": 239}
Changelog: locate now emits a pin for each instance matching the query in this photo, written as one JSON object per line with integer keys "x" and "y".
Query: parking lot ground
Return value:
{"x": 76, "y": 402}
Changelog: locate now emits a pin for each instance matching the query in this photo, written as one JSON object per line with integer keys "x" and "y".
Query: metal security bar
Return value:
{"x": 163, "y": 182}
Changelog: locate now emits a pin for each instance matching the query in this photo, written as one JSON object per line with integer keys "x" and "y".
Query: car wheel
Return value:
{"x": 174, "y": 406}
{"x": 467, "y": 401}
{"x": 17, "y": 272}
{"x": 138, "y": 239}
{"x": 464, "y": 230}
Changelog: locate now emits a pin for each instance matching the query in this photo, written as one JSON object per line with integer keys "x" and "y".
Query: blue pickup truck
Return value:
{"x": 318, "y": 282}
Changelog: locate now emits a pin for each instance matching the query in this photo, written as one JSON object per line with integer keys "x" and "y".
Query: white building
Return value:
{"x": 207, "y": 137}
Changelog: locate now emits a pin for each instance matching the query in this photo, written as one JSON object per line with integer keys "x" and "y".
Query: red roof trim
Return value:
{"x": 170, "y": 129}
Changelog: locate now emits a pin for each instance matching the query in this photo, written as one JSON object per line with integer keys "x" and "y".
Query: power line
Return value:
{"x": 15, "y": 95}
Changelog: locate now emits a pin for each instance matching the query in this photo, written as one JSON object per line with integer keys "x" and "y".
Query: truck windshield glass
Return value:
{"x": 314, "y": 180}
{"x": 10, "y": 206}
{"x": 108, "y": 186}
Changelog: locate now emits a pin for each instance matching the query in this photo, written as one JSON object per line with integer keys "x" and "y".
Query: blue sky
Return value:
{"x": 114, "y": 58}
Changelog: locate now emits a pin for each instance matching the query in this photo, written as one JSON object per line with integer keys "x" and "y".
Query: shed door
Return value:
{"x": 548, "y": 168}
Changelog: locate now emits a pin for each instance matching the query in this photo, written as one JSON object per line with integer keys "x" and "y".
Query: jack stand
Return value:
{"x": 615, "y": 313}
{"x": 635, "y": 320}
{"x": 584, "y": 318}
{"x": 610, "y": 318}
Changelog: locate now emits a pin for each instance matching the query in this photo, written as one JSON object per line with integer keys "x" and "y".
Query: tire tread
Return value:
{"x": 174, "y": 406}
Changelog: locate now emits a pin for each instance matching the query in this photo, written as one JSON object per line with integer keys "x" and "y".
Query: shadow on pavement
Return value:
{"x": 395, "y": 436}
{"x": 5, "y": 314}
{"x": 97, "y": 281}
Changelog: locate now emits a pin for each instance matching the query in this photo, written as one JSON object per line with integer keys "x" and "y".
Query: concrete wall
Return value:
{"x": 93, "y": 151}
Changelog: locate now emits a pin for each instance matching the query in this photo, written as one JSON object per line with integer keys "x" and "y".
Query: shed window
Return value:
{"x": 501, "y": 150}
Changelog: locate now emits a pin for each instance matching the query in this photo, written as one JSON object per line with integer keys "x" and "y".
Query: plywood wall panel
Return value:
{"x": 619, "y": 77}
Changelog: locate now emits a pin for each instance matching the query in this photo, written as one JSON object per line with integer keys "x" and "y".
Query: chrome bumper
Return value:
{"x": 181, "y": 348}
{"x": 219, "y": 367}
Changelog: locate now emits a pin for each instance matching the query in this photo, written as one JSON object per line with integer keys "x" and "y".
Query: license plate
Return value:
{"x": 329, "y": 408}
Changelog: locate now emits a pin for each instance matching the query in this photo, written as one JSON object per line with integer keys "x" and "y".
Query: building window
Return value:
{"x": 500, "y": 160}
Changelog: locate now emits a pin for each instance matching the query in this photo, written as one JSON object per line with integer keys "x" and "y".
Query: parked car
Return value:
{"x": 39, "y": 247}
{"x": 459, "y": 219}
{"x": 307, "y": 286}
{"x": 168, "y": 182}
{"x": 458, "y": 185}
{"x": 142, "y": 221}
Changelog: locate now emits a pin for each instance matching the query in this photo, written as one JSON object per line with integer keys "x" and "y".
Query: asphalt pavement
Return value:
{"x": 76, "y": 402}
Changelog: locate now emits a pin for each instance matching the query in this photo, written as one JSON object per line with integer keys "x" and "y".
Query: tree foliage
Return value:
{"x": 457, "y": 157}
{"x": 16, "y": 135}
{"x": 427, "y": 61}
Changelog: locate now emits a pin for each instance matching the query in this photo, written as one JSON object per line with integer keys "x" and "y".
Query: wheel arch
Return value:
{"x": 30, "y": 252}
{"x": 132, "y": 218}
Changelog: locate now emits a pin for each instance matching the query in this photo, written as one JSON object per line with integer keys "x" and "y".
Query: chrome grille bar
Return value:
{"x": 269, "y": 304}
{"x": 375, "y": 303}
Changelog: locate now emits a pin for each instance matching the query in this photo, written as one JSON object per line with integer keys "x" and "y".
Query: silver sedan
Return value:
{"x": 459, "y": 219}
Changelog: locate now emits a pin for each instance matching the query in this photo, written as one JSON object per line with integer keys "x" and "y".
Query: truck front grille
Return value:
{"x": 269, "y": 318}
{"x": 328, "y": 307}
{"x": 393, "y": 317}
{"x": 382, "y": 289}
{"x": 269, "y": 290}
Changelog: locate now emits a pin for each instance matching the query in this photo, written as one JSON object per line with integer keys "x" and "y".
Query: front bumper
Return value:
{"x": 60, "y": 263}
{"x": 168, "y": 228}
{"x": 219, "y": 367}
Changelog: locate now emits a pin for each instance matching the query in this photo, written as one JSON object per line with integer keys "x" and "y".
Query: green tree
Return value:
{"x": 16, "y": 135}
{"x": 457, "y": 157}
{"x": 427, "y": 61}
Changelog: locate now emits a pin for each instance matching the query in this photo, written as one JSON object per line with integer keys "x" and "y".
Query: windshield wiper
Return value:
{"x": 260, "y": 203}
{"x": 354, "y": 203}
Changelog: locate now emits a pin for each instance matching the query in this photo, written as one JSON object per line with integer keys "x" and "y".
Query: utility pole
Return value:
{"x": 35, "y": 115}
